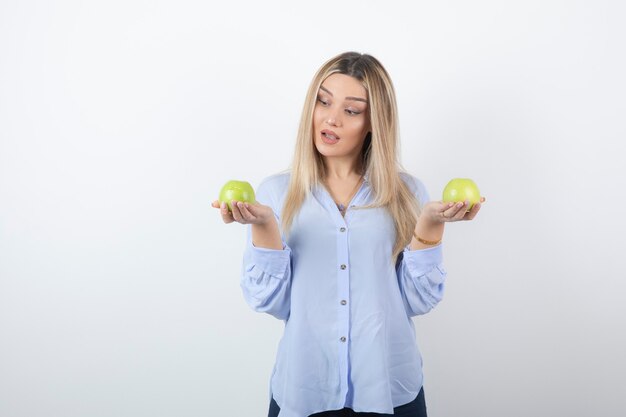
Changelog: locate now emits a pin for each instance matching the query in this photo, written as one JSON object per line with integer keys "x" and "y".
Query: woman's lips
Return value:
{"x": 328, "y": 140}
{"x": 329, "y": 137}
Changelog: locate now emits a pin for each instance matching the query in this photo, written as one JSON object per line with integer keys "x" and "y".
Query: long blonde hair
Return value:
{"x": 380, "y": 153}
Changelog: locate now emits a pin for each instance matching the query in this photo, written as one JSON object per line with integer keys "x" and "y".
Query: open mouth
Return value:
{"x": 329, "y": 137}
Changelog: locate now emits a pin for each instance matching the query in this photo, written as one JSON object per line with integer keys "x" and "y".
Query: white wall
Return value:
{"x": 120, "y": 121}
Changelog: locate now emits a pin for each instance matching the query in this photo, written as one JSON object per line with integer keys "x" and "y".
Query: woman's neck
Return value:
{"x": 342, "y": 170}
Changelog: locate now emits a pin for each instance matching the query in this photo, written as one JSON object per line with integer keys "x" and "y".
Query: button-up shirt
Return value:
{"x": 349, "y": 340}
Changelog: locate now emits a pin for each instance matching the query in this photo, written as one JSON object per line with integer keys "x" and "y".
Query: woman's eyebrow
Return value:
{"x": 347, "y": 98}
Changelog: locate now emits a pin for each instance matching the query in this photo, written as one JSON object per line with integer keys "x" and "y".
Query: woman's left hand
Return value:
{"x": 440, "y": 212}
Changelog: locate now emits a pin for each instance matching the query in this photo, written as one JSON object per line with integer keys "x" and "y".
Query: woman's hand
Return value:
{"x": 440, "y": 212}
{"x": 244, "y": 213}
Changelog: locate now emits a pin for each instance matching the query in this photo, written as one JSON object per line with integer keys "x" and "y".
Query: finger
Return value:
{"x": 245, "y": 215}
{"x": 215, "y": 204}
{"x": 452, "y": 212}
{"x": 446, "y": 212}
{"x": 473, "y": 212}
{"x": 246, "y": 210}
{"x": 227, "y": 216}
{"x": 461, "y": 211}
{"x": 236, "y": 212}
{"x": 483, "y": 199}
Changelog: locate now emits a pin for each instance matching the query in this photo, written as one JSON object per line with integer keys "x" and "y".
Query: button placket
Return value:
{"x": 343, "y": 295}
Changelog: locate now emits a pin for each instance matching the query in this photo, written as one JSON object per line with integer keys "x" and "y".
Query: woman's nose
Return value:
{"x": 333, "y": 119}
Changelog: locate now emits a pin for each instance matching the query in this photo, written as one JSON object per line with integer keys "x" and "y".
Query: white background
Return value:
{"x": 121, "y": 120}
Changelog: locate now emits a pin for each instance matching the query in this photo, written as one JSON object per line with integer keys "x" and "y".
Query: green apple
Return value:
{"x": 461, "y": 189}
{"x": 238, "y": 191}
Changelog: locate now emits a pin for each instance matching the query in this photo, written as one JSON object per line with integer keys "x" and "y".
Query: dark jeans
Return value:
{"x": 416, "y": 408}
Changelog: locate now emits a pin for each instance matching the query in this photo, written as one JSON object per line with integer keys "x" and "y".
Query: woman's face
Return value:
{"x": 340, "y": 117}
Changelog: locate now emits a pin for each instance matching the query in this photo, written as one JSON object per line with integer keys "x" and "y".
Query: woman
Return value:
{"x": 345, "y": 247}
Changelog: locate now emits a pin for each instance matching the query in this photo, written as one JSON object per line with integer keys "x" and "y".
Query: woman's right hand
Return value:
{"x": 244, "y": 213}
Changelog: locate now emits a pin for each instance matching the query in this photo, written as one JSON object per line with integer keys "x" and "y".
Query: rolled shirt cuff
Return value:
{"x": 272, "y": 261}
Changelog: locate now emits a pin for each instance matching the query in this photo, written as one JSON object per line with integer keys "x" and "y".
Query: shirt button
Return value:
{"x": 343, "y": 339}
{"x": 343, "y": 229}
{"x": 343, "y": 266}
{"x": 344, "y": 302}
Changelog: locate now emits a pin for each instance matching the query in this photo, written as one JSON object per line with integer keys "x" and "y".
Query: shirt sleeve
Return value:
{"x": 266, "y": 273}
{"x": 421, "y": 275}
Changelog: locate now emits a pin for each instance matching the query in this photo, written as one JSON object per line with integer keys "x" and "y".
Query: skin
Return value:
{"x": 341, "y": 106}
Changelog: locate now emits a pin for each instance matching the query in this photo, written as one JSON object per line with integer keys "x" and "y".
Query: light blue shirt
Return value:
{"x": 349, "y": 340}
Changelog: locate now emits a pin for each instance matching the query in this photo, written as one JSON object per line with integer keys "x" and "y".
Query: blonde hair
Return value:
{"x": 379, "y": 154}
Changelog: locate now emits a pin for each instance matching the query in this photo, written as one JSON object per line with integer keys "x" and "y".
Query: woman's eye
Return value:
{"x": 324, "y": 103}
{"x": 349, "y": 111}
